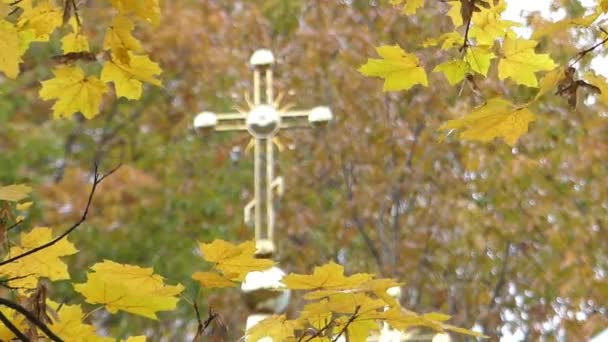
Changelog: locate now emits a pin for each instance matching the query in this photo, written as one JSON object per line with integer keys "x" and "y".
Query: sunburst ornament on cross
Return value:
{"x": 263, "y": 120}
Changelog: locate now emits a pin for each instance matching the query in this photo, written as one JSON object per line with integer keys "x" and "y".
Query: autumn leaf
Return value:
{"x": 234, "y": 261}
{"x": 42, "y": 19}
{"x": 213, "y": 280}
{"x": 454, "y": 13}
{"x": 128, "y": 288}
{"x": 400, "y": 70}
{"x": 15, "y": 192}
{"x": 148, "y": 10}
{"x": 549, "y": 82}
{"x": 74, "y": 92}
{"x": 357, "y": 330}
{"x": 496, "y": 118}
{"x": 327, "y": 277}
{"x": 74, "y": 42}
{"x": 479, "y": 59}
{"x": 409, "y": 7}
{"x": 120, "y": 40}
{"x": 23, "y": 206}
{"x": 128, "y": 77}
{"x": 70, "y": 327}
{"x": 278, "y": 327}
{"x": 547, "y": 29}
{"x": 487, "y": 26}
{"x": 44, "y": 263}
{"x": 11, "y": 49}
{"x": 520, "y": 63}
{"x": 454, "y": 70}
{"x": 136, "y": 339}
{"x": 448, "y": 41}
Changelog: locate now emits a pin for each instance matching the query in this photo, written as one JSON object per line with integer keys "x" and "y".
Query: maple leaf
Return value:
{"x": 357, "y": 330}
{"x": 454, "y": 13}
{"x": 11, "y": 49}
{"x": 549, "y": 82}
{"x": 327, "y": 277}
{"x": 213, "y": 280}
{"x": 562, "y": 25}
{"x": 277, "y": 327}
{"x": 74, "y": 42}
{"x": 128, "y": 77}
{"x": 400, "y": 70}
{"x": 42, "y": 19}
{"x": 14, "y": 193}
{"x": 148, "y": 10}
{"x": 447, "y": 40}
{"x": 487, "y": 25}
{"x": 496, "y": 118}
{"x": 128, "y": 288}
{"x": 410, "y": 7}
{"x": 44, "y": 263}
{"x": 479, "y": 58}
{"x": 235, "y": 261}
{"x": 136, "y": 339}
{"x": 69, "y": 325}
{"x": 74, "y": 92}
{"x": 603, "y": 5}
{"x": 454, "y": 70}
{"x": 120, "y": 40}
{"x": 520, "y": 62}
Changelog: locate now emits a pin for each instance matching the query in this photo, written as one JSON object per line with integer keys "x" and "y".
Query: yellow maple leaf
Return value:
{"x": 23, "y": 206}
{"x": 128, "y": 288}
{"x": 400, "y": 70}
{"x": 279, "y": 328}
{"x": 479, "y": 59}
{"x": 42, "y": 19}
{"x": 148, "y": 10}
{"x": 235, "y": 261}
{"x": 68, "y": 324}
{"x": 136, "y": 339}
{"x": 120, "y": 40}
{"x": 213, "y": 280}
{"x": 448, "y": 41}
{"x": 496, "y": 118}
{"x": 454, "y": 13}
{"x": 74, "y": 42}
{"x": 44, "y": 263}
{"x": 14, "y": 193}
{"x": 128, "y": 77}
{"x": 74, "y": 92}
{"x": 409, "y": 7}
{"x": 327, "y": 277}
{"x": 454, "y": 70}
{"x": 603, "y": 5}
{"x": 549, "y": 82}
{"x": 550, "y": 28}
{"x": 520, "y": 63}
{"x": 11, "y": 49}
{"x": 487, "y": 25}
{"x": 357, "y": 330}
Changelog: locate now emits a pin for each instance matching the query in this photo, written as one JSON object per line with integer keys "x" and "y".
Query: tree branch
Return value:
{"x": 97, "y": 179}
{"x": 13, "y": 328}
{"x": 30, "y": 317}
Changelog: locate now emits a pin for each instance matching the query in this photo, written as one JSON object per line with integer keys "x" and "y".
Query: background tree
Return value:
{"x": 495, "y": 235}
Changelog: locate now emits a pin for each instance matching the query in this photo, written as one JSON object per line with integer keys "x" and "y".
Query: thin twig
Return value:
{"x": 583, "y": 53}
{"x": 7, "y": 323}
{"x": 97, "y": 179}
{"x": 30, "y": 318}
{"x": 350, "y": 320}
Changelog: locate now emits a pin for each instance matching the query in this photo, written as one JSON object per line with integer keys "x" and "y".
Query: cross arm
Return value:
{"x": 234, "y": 121}
{"x": 305, "y": 118}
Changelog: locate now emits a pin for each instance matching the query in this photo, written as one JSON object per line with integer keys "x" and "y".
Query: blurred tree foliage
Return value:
{"x": 493, "y": 235}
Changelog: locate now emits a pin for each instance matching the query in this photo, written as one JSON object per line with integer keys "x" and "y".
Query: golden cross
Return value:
{"x": 263, "y": 121}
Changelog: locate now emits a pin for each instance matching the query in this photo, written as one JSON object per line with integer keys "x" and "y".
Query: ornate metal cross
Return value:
{"x": 263, "y": 120}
